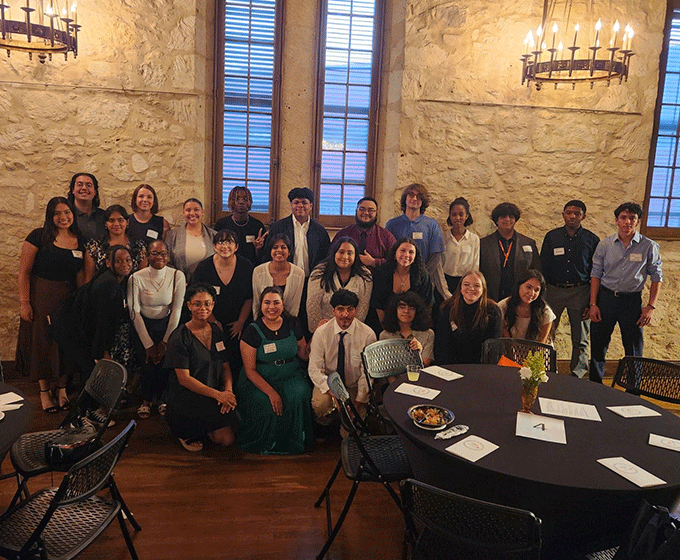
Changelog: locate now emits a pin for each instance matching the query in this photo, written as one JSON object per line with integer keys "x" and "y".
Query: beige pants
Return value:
{"x": 323, "y": 404}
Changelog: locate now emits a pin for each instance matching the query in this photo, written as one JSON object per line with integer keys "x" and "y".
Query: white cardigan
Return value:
{"x": 292, "y": 294}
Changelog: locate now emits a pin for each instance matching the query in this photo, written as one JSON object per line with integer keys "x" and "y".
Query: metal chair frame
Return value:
{"x": 648, "y": 377}
{"x": 517, "y": 349}
{"x": 104, "y": 386}
{"x": 360, "y": 456}
{"x": 456, "y": 526}
{"x": 61, "y": 522}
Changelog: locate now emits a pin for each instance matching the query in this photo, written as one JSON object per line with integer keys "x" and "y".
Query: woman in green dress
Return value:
{"x": 273, "y": 391}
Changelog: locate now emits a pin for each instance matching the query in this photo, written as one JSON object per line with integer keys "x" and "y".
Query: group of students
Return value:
{"x": 233, "y": 330}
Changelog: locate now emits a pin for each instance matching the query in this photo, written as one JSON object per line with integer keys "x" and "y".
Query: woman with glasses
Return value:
{"x": 407, "y": 317}
{"x": 116, "y": 233}
{"x": 466, "y": 320}
{"x": 201, "y": 401}
{"x": 232, "y": 277}
{"x": 155, "y": 296}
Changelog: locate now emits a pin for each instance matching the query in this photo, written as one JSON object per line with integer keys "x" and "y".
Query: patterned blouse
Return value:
{"x": 98, "y": 251}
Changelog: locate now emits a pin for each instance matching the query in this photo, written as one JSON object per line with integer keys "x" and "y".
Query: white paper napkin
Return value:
{"x": 665, "y": 442}
{"x": 8, "y": 407}
{"x": 417, "y": 391}
{"x": 633, "y": 411}
{"x": 11, "y": 397}
{"x": 442, "y": 373}
{"x": 472, "y": 448}
{"x": 631, "y": 471}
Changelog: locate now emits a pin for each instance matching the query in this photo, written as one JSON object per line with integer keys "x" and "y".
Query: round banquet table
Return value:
{"x": 578, "y": 500}
{"x": 15, "y": 422}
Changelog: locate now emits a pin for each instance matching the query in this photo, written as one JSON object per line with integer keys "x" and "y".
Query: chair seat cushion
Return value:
{"x": 386, "y": 452}
{"x": 28, "y": 452}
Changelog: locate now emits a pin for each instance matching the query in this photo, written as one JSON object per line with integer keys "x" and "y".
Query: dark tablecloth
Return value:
{"x": 14, "y": 423}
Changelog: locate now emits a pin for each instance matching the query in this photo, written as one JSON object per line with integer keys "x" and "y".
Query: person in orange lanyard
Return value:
{"x": 506, "y": 254}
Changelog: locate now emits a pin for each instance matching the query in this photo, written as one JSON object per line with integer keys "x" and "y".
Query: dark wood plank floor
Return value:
{"x": 226, "y": 504}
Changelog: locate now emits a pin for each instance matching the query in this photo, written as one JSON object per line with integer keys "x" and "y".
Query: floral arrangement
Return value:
{"x": 533, "y": 372}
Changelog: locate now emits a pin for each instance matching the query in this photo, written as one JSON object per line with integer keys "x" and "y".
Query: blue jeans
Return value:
{"x": 624, "y": 310}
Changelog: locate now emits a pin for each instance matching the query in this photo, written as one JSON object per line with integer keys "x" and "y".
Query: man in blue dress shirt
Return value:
{"x": 566, "y": 261}
{"x": 414, "y": 224}
{"x": 621, "y": 265}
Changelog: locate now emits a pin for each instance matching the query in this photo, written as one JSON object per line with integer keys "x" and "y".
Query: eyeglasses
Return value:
{"x": 225, "y": 242}
{"x": 370, "y": 211}
{"x": 159, "y": 254}
{"x": 199, "y": 304}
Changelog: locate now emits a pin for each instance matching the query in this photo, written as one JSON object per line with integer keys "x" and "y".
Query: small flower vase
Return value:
{"x": 529, "y": 395}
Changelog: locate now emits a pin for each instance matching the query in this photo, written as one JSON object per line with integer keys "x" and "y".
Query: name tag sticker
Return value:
{"x": 636, "y": 257}
{"x": 217, "y": 289}
{"x": 269, "y": 348}
{"x": 152, "y": 234}
{"x": 250, "y": 239}
{"x": 77, "y": 254}
{"x": 557, "y": 251}
{"x": 466, "y": 249}
{"x": 219, "y": 345}
{"x": 417, "y": 235}
{"x": 527, "y": 249}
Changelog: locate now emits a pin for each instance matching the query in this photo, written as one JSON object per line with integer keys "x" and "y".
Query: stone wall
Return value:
{"x": 468, "y": 127}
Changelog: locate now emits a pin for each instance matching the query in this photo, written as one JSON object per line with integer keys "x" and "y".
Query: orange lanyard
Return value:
{"x": 506, "y": 254}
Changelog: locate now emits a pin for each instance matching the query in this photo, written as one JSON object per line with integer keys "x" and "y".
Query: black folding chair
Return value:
{"x": 104, "y": 387}
{"x": 59, "y": 523}
{"x": 443, "y": 525}
{"x": 517, "y": 350}
{"x": 381, "y": 360}
{"x": 651, "y": 378}
{"x": 363, "y": 458}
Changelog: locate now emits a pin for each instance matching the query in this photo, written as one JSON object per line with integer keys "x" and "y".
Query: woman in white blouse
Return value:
{"x": 155, "y": 297}
{"x": 525, "y": 313}
{"x": 191, "y": 243}
{"x": 279, "y": 272}
{"x": 341, "y": 269}
{"x": 461, "y": 247}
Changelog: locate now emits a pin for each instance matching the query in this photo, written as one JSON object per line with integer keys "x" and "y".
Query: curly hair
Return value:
{"x": 537, "y": 306}
{"x": 418, "y": 266}
{"x": 454, "y": 305}
{"x": 422, "y": 194}
{"x": 326, "y": 270}
{"x": 421, "y": 321}
{"x": 505, "y": 209}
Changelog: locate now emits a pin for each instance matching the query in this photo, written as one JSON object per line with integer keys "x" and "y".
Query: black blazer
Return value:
{"x": 490, "y": 260}
{"x": 318, "y": 240}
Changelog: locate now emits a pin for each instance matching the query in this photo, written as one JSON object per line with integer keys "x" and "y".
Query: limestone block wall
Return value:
{"x": 468, "y": 127}
{"x": 130, "y": 109}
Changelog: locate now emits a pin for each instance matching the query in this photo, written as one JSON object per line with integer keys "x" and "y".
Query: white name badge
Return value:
{"x": 453, "y": 326}
{"x": 417, "y": 235}
{"x": 557, "y": 251}
{"x": 219, "y": 345}
{"x": 269, "y": 348}
{"x": 466, "y": 249}
{"x": 217, "y": 289}
{"x": 153, "y": 234}
{"x": 527, "y": 249}
{"x": 636, "y": 257}
{"x": 77, "y": 254}
{"x": 250, "y": 239}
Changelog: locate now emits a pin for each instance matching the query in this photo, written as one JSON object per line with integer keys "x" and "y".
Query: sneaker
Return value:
{"x": 98, "y": 417}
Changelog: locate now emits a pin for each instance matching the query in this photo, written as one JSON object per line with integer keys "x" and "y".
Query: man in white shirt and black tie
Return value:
{"x": 344, "y": 334}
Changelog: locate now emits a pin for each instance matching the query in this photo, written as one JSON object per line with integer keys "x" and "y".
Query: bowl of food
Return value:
{"x": 430, "y": 417}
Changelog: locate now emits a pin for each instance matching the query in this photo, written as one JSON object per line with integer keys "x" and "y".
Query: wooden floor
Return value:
{"x": 226, "y": 504}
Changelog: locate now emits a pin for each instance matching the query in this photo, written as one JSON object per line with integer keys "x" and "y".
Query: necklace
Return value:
{"x": 270, "y": 325}
{"x": 155, "y": 283}
{"x": 403, "y": 279}
{"x": 244, "y": 224}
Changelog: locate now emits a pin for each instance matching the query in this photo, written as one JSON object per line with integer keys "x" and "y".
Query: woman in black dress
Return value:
{"x": 51, "y": 266}
{"x": 201, "y": 400}
{"x": 466, "y": 320}
{"x": 145, "y": 223}
{"x": 232, "y": 277}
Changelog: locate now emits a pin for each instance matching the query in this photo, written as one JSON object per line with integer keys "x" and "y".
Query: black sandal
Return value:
{"x": 67, "y": 403}
{"x": 54, "y": 409}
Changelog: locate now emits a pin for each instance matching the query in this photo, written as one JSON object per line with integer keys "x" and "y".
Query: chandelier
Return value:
{"x": 559, "y": 64}
{"x": 43, "y": 29}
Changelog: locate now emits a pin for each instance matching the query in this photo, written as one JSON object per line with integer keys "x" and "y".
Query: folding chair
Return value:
{"x": 651, "y": 378}
{"x": 381, "y": 360}
{"x": 59, "y": 523}
{"x": 517, "y": 350}
{"x": 457, "y": 527}
{"x": 104, "y": 387}
{"x": 363, "y": 458}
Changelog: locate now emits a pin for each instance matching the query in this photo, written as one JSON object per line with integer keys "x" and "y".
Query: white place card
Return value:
{"x": 417, "y": 391}
{"x": 539, "y": 427}
{"x": 633, "y": 411}
{"x": 7, "y": 398}
{"x": 569, "y": 409}
{"x": 631, "y": 471}
{"x": 472, "y": 448}
{"x": 665, "y": 442}
{"x": 442, "y": 373}
{"x": 8, "y": 407}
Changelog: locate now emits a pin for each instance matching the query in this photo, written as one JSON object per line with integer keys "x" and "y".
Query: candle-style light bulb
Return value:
{"x": 598, "y": 26}
{"x": 576, "y": 30}
{"x": 616, "y": 32}
{"x": 630, "y": 37}
{"x": 539, "y": 31}
{"x": 560, "y": 47}
{"x": 554, "y": 32}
